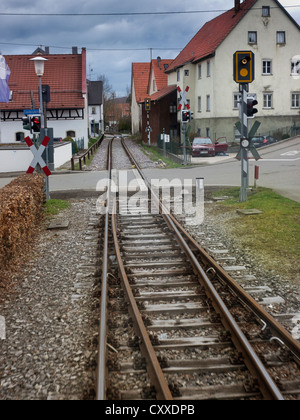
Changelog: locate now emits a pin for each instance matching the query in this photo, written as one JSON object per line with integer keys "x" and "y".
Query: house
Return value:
{"x": 95, "y": 102}
{"x": 206, "y": 66}
{"x": 139, "y": 91}
{"x": 117, "y": 113}
{"x": 67, "y": 111}
{"x": 149, "y": 80}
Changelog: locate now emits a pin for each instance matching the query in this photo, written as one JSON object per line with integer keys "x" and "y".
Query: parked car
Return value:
{"x": 260, "y": 141}
{"x": 221, "y": 145}
{"x": 203, "y": 146}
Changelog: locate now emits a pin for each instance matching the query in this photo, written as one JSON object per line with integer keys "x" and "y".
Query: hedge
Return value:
{"x": 20, "y": 213}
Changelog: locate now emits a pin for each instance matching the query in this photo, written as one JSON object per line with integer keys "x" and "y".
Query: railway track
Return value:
{"x": 193, "y": 333}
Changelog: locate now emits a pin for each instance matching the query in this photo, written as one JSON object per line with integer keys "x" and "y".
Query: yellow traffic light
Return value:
{"x": 148, "y": 104}
{"x": 243, "y": 66}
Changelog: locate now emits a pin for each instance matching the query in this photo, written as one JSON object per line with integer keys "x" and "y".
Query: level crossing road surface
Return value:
{"x": 279, "y": 170}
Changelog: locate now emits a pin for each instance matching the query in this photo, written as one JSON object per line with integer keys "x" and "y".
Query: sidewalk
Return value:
{"x": 212, "y": 160}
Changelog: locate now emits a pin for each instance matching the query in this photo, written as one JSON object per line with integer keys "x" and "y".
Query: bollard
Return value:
{"x": 256, "y": 175}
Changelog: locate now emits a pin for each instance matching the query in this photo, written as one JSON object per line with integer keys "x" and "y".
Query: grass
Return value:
{"x": 274, "y": 234}
{"x": 54, "y": 207}
{"x": 155, "y": 154}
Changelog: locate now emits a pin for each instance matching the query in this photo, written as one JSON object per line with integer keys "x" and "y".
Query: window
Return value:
{"x": 20, "y": 136}
{"x": 295, "y": 100}
{"x": 295, "y": 68}
{"x": 208, "y": 103}
{"x": 93, "y": 110}
{"x": 200, "y": 71}
{"x": 71, "y": 133}
{"x": 154, "y": 85}
{"x": 252, "y": 37}
{"x": 178, "y": 75}
{"x": 208, "y": 69}
{"x": 236, "y": 100}
{"x": 199, "y": 104}
{"x": 186, "y": 72}
{"x": 266, "y": 11}
{"x": 207, "y": 132}
{"x": 280, "y": 37}
{"x": 268, "y": 100}
{"x": 267, "y": 67}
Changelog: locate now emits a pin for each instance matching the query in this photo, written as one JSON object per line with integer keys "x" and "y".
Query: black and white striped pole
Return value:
{"x": 244, "y": 73}
{"x": 244, "y": 144}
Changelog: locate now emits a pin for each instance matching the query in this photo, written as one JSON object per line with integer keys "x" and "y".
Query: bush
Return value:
{"x": 20, "y": 213}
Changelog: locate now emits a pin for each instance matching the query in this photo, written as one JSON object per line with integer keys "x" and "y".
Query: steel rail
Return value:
{"x": 267, "y": 386}
{"x": 102, "y": 346}
{"x": 154, "y": 369}
{"x": 276, "y": 329}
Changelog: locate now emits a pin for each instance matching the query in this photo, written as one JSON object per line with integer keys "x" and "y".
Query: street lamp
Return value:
{"x": 39, "y": 63}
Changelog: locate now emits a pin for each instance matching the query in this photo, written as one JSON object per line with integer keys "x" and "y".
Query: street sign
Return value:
{"x": 183, "y": 101}
{"x": 32, "y": 112}
{"x": 37, "y": 153}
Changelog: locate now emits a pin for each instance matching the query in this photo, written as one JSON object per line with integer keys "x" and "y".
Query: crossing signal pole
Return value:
{"x": 244, "y": 73}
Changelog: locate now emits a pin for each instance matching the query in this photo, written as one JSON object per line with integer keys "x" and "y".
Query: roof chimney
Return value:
{"x": 237, "y": 5}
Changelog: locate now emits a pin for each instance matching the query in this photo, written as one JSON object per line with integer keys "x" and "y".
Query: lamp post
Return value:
{"x": 39, "y": 65}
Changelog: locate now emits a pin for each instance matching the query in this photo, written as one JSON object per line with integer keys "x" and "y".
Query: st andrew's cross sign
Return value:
{"x": 37, "y": 153}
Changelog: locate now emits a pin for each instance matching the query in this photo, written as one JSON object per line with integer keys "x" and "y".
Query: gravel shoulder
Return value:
{"x": 51, "y": 330}
{"x": 217, "y": 233}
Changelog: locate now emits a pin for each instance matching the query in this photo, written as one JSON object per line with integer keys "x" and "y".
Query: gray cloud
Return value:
{"x": 108, "y": 32}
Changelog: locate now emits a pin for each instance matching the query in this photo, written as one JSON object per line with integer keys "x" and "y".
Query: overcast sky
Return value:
{"x": 165, "y": 34}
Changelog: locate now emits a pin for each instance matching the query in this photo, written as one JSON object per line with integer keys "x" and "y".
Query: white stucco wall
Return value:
{"x": 18, "y": 160}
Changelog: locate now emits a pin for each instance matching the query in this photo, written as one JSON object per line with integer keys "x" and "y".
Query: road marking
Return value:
{"x": 290, "y": 153}
{"x": 279, "y": 160}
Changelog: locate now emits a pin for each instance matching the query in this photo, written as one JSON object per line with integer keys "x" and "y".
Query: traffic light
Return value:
{"x": 243, "y": 66}
{"x": 251, "y": 102}
{"x": 36, "y": 123}
{"x": 46, "y": 93}
{"x": 26, "y": 123}
{"x": 186, "y": 116}
{"x": 148, "y": 104}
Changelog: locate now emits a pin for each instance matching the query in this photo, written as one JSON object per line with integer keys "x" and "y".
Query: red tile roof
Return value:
{"x": 161, "y": 78}
{"x": 210, "y": 36}
{"x": 163, "y": 92}
{"x": 65, "y": 74}
{"x": 140, "y": 75}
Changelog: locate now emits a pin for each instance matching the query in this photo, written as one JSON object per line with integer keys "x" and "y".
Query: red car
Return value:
{"x": 203, "y": 146}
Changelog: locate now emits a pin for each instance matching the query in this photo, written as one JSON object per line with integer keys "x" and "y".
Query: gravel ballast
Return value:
{"x": 51, "y": 331}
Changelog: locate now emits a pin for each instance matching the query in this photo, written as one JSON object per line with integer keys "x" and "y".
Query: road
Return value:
{"x": 279, "y": 170}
